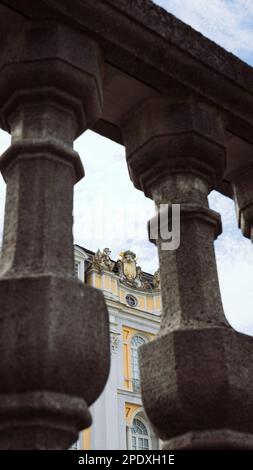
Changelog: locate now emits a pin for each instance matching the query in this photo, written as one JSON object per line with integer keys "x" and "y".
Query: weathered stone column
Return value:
{"x": 196, "y": 386}
{"x": 242, "y": 185}
{"x": 54, "y": 335}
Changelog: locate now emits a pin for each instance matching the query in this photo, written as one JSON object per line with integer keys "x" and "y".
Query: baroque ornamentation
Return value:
{"x": 127, "y": 269}
{"x": 129, "y": 272}
{"x": 114, "y": 342}
{"x": 156, "y": 279}
{"x": 102, "y": 260}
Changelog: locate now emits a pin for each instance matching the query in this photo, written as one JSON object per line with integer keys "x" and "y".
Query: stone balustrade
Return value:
{"x": 183, "y": 108}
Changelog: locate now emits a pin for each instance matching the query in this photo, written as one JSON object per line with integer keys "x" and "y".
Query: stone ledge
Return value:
{"x": 41, "y": 148}
{"x": 187, "y": 212}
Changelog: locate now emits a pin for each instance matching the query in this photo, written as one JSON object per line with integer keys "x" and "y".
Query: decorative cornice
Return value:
{"x": 102, "y": 261}
{"x": 126, "y": 269}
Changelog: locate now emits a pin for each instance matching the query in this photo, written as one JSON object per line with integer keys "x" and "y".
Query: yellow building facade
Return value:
{"x": 134, "y": 305}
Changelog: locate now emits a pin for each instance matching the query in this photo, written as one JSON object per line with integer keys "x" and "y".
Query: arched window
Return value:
{"x": 140, "y": 435}
{"x": 136, "y": 342}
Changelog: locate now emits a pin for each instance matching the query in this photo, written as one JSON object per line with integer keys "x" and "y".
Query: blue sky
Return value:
{"x": 110, "y": 212}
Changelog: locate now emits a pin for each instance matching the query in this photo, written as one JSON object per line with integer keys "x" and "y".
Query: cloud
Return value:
{"x": 227, "y": 22}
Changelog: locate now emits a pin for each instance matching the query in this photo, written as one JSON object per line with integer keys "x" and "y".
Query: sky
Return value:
{"x": 110, "y": 212}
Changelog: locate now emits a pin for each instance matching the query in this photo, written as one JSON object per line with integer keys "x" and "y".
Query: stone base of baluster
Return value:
{"x": 50, "y": 328}
{"x": 197, "y": 388}
{"x": 54, "y": 346}
{"x": 222, "y": 439}
{"x": 41, "y": 420}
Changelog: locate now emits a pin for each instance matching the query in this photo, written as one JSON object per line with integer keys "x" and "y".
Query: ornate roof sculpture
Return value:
{"x": 102, "y": 260}
{"x": 127, "y": 269}
{"x": 156, "y": 279}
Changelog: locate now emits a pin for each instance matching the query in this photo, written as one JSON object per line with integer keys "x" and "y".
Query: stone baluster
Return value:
{"x": 195, "y": 374}
{"x": 54, "y": 334}
{"x": 241, "y": 181}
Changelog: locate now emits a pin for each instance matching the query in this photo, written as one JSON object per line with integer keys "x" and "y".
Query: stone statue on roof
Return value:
{"x": 156, "y": 279}
{"x": 102, "y": 260}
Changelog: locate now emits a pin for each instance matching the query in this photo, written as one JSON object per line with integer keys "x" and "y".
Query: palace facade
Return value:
{"x": 134, "y": 306}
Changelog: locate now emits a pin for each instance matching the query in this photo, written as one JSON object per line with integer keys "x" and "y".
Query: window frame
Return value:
{"x": 135, "y": 369}
{"x": 142, "y": 436}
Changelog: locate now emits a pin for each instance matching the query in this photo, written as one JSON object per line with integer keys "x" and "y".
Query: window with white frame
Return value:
{"x": 77, "y": 269}
{"x": 136, "y": 342}
{"x": 140, "y": 435}
{"x": 80, "y": 269}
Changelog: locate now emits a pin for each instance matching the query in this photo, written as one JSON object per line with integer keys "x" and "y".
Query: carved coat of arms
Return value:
{"x": 128, "y": 265}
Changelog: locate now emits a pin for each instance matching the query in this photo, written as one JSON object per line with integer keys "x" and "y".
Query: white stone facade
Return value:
{"x": 119, "y": 421}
